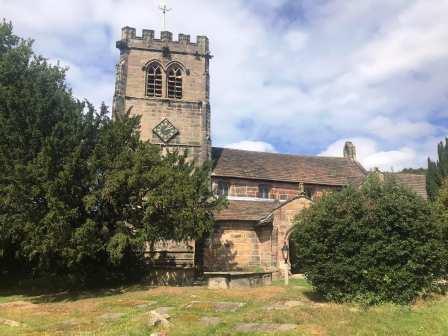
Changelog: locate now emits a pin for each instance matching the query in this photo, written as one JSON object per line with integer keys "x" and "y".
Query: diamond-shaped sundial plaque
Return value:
{"x": 165, "y": 130}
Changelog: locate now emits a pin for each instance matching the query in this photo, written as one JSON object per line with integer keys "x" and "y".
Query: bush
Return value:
{"x": 373, "y": 244}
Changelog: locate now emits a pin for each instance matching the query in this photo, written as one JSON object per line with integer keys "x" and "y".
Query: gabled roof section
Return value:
{"x": 246, "y": 210}
{"x": 286, "y": 168}
{"x": 414, "y": 182}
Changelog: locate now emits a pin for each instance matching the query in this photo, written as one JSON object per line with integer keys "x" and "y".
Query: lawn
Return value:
{"x": 199, "y": 311}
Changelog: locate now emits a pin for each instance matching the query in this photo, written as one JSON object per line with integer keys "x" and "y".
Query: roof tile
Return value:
{"x": 246, "y": 210}
{"x": 285, "y": 167}
{"x": 415, "y": 182}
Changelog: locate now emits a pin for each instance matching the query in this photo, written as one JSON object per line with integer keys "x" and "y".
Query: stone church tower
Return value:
{"x": 166, "y": 82}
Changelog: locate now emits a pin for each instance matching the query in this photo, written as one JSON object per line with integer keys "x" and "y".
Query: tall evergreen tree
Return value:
{"x": 437, "y": 170}
{"x": 80, "y": 194}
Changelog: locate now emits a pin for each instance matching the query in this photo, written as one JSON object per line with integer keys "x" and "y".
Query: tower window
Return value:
{"x": 223, "y": 189}
{"x": 154, "y": 80}
{"x": 263, "y": 191}
{"x": 175, "y": 82}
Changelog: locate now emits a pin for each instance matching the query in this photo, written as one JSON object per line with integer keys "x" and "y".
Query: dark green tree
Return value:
{"x": 440, "y": 210}
{"x": 437, "y": 170}
{"x": 80, "y": 194}
{"x": 372, "y": 244}
{"x": 418, "y": 171}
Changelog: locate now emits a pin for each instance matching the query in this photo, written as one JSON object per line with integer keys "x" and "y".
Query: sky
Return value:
{"x": 299, "y": 77}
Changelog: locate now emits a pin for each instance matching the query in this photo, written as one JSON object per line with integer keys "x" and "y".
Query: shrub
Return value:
{"x": 371, "y": 244}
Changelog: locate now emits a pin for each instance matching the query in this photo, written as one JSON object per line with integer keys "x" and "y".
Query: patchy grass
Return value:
{"x": 124, "y": 311}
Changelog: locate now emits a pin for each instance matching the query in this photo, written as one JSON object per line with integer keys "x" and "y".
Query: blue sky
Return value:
{"x": 298, "y": 76}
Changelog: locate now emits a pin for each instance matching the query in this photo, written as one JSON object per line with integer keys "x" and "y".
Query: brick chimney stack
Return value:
{"x": 350, "y": 151}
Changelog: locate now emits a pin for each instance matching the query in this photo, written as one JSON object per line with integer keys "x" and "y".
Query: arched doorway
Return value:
{"x": 293, "y": 259}
{"x": 284, "y": 220}
{"x": 296, "y": 265}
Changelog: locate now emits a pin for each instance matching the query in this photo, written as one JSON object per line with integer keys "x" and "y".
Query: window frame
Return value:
{"x": 175, "y": 81}
{"x": 223, "y": 192}
{"x": 264, "y": 190}
{"x": 154, "y": 86}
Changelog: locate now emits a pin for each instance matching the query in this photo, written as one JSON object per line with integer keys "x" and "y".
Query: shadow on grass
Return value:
{"x": 50, "y": 291}
{"x": 314, "y": 296}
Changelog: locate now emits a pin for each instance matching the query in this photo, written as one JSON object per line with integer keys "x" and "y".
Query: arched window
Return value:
{"x": 175, "y": 82}
{"x": 154, "y": 80}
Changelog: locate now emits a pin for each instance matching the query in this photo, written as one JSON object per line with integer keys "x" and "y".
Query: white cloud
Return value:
{"x": 399, "y": 129}
{"x": 371, "y": 69}
{"x": 369, "y": 154}
{"x": 416, "y": 37}
{"x": 257, "y": 146}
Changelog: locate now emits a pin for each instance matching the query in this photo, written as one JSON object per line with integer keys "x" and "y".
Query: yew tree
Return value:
{"x": 80, "y": 193}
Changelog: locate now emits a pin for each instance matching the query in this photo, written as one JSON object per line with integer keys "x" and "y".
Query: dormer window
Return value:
{"x": 223, "y": 189}
{"x": 263, "y": 191}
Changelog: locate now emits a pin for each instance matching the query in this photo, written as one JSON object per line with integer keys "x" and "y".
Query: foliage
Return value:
{"x": 440, "y": 210}
{"x": 80, "y": 194}
{"x": 418, "y": 171}
{"x": 437, "y": 170}
{"x": 374, "y": 244}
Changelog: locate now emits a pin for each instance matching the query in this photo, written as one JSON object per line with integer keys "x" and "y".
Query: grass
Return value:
{"x": 82, "y": 313}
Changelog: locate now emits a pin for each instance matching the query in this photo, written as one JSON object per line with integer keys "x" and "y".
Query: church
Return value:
{"x": 167, "y": 82}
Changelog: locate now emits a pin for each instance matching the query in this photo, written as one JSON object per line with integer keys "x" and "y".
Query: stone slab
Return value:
{"x": 210, "y": 321}
{"x": 111, "y": 316}
{"x": 284, "y": 305}
{"x": 264, "y": 327}
{"x": 226, "y": 280}
{"x": 217, "y": 306}
{"x": 10, "y": 323}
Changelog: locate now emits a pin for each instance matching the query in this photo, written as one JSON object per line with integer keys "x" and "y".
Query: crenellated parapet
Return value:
{"x": 148, "y": 41}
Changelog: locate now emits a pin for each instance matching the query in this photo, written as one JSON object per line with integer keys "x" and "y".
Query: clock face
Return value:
{"x": 165, "y": 130}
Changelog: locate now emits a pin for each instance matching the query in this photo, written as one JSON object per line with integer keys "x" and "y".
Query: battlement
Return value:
{"x": 147, "y": 40}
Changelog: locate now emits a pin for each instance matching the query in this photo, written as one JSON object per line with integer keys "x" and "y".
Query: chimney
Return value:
{"x": 350, "y": 151}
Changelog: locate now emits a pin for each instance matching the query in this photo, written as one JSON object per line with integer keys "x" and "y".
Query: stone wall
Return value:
{"x": 170, "y": 254}
{"x": 189, "y": 115}
{"x": 283, "y": 221}
{"x": 237, "y": 246}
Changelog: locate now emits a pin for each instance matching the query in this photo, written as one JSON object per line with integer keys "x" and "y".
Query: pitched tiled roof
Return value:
{"x": 416, "y": 183}
{"x": 247, "y": 210}
{"x": 286, "y": 168}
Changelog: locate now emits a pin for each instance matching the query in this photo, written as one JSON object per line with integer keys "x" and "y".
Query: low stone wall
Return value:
{"x": 225, "y": 280}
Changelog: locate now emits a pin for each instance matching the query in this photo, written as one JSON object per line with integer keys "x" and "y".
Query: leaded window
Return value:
{"x": 175, "y": 82}
{"x": 154, "y": 80}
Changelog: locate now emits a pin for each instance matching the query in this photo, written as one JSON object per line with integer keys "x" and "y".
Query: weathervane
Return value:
{"x": 164, "y": 10}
